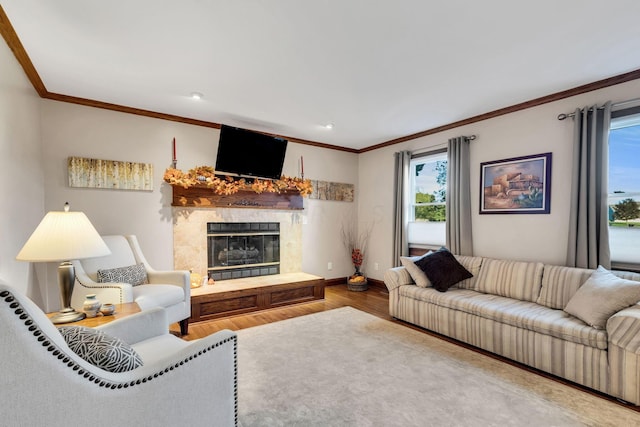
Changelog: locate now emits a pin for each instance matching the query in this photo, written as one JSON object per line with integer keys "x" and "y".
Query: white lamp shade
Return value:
{"x": 63, "y": 236}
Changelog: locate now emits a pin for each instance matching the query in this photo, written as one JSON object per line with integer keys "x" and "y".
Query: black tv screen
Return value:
{"x": 247, "y": 153}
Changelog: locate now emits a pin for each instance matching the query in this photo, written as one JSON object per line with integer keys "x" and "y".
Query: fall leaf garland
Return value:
{"x": 205, "y": 175}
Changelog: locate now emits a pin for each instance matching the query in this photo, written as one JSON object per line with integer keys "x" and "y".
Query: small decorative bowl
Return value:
{"x": 107, "y": 309}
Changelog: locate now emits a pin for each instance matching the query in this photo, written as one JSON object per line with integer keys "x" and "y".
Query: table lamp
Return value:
{"x": 64, "y": 236}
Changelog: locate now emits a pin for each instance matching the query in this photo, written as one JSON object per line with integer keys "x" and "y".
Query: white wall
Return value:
{"x": 73, "y": 130}
{"x": 22, "y": 188}
{"x": 322, "y": 220}
{"x": 532, "y": 131}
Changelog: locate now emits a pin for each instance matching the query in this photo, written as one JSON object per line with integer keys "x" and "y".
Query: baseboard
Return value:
{"x": 378, "y": 285}
{"x": 335, "y": 282}
{"x": 375, "y": 284}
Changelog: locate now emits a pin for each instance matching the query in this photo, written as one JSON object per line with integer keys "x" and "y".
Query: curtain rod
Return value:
{"x": 617, "y": 106}
{"x": 439, "y": 146}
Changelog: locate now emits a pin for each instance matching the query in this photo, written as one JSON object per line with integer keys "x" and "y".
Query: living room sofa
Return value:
{"x": 517, "y": 310}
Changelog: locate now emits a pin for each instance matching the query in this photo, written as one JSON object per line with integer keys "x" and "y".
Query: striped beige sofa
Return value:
{"x": 515, "y": 309}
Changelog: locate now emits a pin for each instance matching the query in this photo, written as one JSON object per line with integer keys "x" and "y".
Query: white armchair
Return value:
{"x": 43, "y": 382}
{"x": 170, "y": 290}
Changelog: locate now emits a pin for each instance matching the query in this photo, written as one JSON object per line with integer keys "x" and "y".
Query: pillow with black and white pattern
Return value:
{"x": 134, "y": 274}
{"x": 101, "y": 350}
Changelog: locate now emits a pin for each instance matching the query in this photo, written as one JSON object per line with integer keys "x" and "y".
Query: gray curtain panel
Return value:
{"x": 401, "y": 201}
{"x": 459, "y": 236}
{"x": 588, "y": 244}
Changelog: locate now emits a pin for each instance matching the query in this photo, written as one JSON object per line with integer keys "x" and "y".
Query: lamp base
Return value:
{"x": 67, "y": 315}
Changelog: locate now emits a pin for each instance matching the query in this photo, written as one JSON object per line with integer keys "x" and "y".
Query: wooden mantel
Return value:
{"x": 201, "y": 196}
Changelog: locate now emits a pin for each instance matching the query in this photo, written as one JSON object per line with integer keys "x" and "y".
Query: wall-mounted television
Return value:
{"x": 247, "y": 153}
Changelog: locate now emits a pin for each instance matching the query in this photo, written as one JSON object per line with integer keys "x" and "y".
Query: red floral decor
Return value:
{"x": 356, "y": 259}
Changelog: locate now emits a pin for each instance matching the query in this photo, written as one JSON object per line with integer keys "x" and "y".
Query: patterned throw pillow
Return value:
{"x": 101, "y": 350}
{"x": 133, "y": 274}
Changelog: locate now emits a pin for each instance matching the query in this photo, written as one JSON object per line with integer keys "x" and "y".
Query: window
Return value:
{"x": 427, "y": 216}
{"x": 624, "y": 188}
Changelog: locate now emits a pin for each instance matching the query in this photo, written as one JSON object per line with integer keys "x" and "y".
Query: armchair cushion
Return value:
{"x": 133, "y": 274}
{"x": 101, "y": 350}
{"x": 147, "y": 296}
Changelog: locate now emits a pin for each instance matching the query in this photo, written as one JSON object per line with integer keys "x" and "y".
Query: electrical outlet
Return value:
{"x": 329, "y": 265}
{"x": 376, "y": 266}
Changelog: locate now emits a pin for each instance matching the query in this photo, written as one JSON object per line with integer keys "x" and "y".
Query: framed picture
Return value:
{"x": 109, "y": 174}
{"x": 521, "y": 185}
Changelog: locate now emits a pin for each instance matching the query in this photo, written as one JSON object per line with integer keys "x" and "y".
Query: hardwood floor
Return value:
{"x": 374, "y": 300}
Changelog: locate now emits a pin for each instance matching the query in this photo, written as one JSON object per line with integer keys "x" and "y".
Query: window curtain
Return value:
{"x": 588, "y": 244}
{"x": 459, "y": 237}
{"x": 401, "y": 202}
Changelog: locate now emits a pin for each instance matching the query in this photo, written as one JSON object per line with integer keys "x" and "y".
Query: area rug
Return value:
{"x": 344, "y": 367}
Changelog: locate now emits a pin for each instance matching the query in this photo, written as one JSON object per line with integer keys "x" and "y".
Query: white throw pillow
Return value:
{"x": 601, "y": 296}
{"x": 416, "y": 273}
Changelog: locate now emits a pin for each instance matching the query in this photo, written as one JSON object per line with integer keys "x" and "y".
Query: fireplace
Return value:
{"x": 190, "y": 239}
{"x": 242, "y": 249}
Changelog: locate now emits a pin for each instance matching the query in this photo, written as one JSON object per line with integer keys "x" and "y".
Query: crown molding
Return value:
{"x": 600, "y": 84}
{"x": 14, "y": 43}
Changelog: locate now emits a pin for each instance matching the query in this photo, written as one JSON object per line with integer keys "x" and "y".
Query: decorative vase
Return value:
{"x": 91, "y": 305}
{"x": 107, "y": 309}
{"x": 196, "y": 280}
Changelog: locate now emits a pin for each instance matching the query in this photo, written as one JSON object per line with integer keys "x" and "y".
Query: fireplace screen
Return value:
{"x": 243, "y": 249}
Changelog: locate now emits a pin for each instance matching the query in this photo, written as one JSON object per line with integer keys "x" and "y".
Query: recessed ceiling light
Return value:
{"x": 197, "y": 95}
{"x": 328, "y": 126}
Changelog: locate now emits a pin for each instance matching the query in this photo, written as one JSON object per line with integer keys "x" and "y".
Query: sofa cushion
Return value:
{"x": 416, "y": 273}
{"x": 101, "y": 350}
{"x": 443, "y": 270}
{"x": 521, "y": 314}
{"x": 603, "y": 295}
{"x": 514, "y": 279}
{"x": 153, "y": 350}
{"x": 559, "y": 283}
{"x": 472, "y": 264}
{"x": 147, "y": 296}
{"x": 134, "y": 274}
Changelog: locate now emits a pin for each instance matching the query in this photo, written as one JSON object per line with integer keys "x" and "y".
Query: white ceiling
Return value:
{"x": 376, "y": 69}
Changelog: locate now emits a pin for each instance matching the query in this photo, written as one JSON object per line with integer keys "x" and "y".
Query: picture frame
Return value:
{"x": 519, "y": 185}
{"x": 109, "y": 174}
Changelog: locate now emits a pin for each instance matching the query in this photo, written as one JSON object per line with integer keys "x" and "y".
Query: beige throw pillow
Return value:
{"x": 601, "y": 296}
{"x": 416, "y": 273}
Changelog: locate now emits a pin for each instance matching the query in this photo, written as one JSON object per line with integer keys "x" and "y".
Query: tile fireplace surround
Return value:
{"x": 190, "y": 234}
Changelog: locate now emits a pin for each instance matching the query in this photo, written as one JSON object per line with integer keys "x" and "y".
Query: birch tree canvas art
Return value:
{"x": 110, "y": 174}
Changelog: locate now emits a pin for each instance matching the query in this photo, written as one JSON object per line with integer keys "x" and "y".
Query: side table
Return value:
{"x": 122, "y": 310}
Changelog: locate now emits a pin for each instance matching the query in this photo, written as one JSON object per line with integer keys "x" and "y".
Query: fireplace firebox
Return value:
{"x": 243, "y": 249}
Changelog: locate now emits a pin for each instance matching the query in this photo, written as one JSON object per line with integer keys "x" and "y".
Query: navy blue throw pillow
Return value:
{"x": 443, "y": 270}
